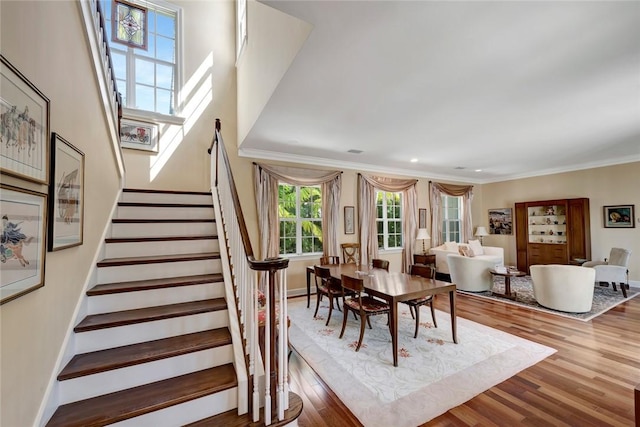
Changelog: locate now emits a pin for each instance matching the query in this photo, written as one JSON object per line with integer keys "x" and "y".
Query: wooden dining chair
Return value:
{"x": 427, "y": 272}
{"x": 326, "y": 285}
{"x": 380, "y": 263}
{"x": 329, "y": 260}
{"x": 350, "y": 253}
{"x": 363, "y": 305}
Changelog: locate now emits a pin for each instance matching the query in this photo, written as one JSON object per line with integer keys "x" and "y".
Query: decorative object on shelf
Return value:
{"x": 129, "y": 24}
{"x": 349, "y": 226}
{"x": 422, "y": 218}
{"x": 24, "y": 126}
{"x": 423, "y": 235}
{"x": 619, "y": 216}
{"x": 22, "y": 251}
{"x": 66, "y": 195}
{"x": 480, "y": 233}
{"x": 139, "y": 135}
{"x": 500, "y": 221}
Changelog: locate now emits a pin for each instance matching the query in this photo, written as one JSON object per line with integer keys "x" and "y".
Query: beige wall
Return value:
{"x": 611, "y": 185}
{"x": 46, "y": 42}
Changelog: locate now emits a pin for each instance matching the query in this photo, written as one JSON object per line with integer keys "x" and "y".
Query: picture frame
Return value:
{"x": 349, "y": 220}
{"x": 24, "y": 126}
{"x": 619, "y": 216}
{"x": 422, "y": 218}
{"x": 23, "y": 247}
{"x": 501, "y": 221}
{"x": 139, "y": 135}
{"x": 66, "y": 195}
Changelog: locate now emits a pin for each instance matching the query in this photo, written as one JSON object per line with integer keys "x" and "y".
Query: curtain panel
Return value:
{"x": 436, "y": 190}
{"x": 368, "y": 231}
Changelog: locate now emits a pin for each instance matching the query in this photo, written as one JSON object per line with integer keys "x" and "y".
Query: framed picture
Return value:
{"x": 620, "y": 216}
{"x": 349, "y": 221}
{"x": 22, "y": 250}
{"x": 500, "y": 221}
{"x": 139, "y": 135}
{"x": 422, "y": 218}
{"x": 24, "y": 126}
{"x": 66, "y": 195}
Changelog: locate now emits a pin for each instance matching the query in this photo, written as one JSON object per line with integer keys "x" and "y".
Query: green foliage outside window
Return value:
{"x": 389, "y": 219}
{"x": 300, "y": 212}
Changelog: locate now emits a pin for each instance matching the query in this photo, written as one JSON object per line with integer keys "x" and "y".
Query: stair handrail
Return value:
{"x": 240, "y": 262}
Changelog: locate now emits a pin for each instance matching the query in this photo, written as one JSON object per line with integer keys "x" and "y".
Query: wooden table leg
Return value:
{"x": 308, "y": 286}
{"x": 394, "y": 331}
{"x": 454, "y": 327}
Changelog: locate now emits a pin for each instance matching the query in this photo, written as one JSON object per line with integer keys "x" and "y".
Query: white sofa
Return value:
{"x": 495, "y": 254}
{"x": 566, "y": 288}
{"x": 472, "y": 273}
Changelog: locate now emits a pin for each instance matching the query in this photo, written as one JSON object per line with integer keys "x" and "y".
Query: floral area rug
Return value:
{"x": 604, "y": 298}
{"x": 433, "y": 375}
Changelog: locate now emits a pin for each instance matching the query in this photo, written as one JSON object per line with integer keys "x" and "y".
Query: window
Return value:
{"x": 451, "y": 218}
{"x": 389, "y": 219}
{"x": 241, "y": 26}
{"x": 147, "y": 79}
{"x": 300, "y": 212}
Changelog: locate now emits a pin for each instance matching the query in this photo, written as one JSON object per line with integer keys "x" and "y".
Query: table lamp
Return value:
{"x": 423, "y": 235}
{"x": 481, "y": 232}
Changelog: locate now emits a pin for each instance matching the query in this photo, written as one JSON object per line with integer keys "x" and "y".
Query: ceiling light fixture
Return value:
{"x": 414, "y": 160}
{"x": 478, "y": 170}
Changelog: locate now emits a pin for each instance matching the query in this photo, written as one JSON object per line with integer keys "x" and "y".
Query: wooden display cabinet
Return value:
{"x": 552, "y": 232}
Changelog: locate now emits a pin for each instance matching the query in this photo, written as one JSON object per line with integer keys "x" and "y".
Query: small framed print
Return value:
{"x": 422, "y": 218}
{"x": 22, "y": 250}
{"x": 619, "y": 216}
{"x": 66, "y": 195}
{"x": 349, "y": 220}
{"x": 139, "y": 135}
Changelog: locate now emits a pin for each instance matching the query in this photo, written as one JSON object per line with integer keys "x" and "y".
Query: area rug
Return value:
{"x": 433, "y": 374}
{"x": 604, "y": 298}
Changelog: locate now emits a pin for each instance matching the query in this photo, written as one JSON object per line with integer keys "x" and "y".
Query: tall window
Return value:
{"x": 389, "y": 219}
{"x": 147, "y": 79}
{"x": 451, "y": 218}
{"x": 241, "y": 26}
{"x": 300, "y": 212}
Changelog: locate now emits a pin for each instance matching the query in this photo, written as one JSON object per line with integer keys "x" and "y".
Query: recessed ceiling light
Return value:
{"x": 478, "y": 170}
{"x": 414, "y": 160}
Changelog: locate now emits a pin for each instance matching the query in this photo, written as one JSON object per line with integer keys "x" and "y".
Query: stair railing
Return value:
{"x": 242, "y": 270}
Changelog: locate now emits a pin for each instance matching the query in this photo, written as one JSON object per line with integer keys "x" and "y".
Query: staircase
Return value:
{"x": 155, "y": 348}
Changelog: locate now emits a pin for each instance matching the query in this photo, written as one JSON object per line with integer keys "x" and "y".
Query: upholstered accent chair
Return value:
{"x": 472, "y": 273}
{"x": 613, "y": 269}
{"x": 566, "y": 288}
{"x": 427, "y": 272}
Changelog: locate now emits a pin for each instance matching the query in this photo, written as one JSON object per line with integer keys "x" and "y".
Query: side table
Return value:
{"x": 507, "y": 282}
{"x": 426, "y": 259}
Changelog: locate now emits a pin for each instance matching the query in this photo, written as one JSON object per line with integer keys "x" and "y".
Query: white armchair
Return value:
{"x": 443, "y": 251}
{"x": 566, "y": 288}
{"x": 614, "y": 269}
{"x": 472, "y": 274}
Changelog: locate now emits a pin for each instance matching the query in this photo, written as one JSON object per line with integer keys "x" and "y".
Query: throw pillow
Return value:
{"x": 451, "y": 246}
{"x": 476, "y": 247}
{"x": 465, "y": 251}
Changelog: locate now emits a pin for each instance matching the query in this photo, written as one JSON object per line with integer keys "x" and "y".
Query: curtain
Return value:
{"x": 266, "y": 180}
{"x": 436, "y": 190}
{"x": 368, "y": 231}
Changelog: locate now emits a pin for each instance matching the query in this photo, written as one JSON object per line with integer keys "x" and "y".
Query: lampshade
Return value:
{"x": 423, "y": 234}
{"x": 481, "y": 231}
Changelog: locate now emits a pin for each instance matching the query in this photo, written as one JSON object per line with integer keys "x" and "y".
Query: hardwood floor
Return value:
{"x": 589, "y": 381}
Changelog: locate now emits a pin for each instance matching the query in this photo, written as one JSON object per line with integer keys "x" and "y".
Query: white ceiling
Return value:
{"x": 513, "y": 88}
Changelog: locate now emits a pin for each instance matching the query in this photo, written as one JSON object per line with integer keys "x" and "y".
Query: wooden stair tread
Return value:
{"x": 135, "y": 354}
{"x": 121, "y": 405}
{"x": 151, "y": 191}
{"x": 149, "y": 314}
{"x": 232, "y": 419}
{"x": 159, "y": 220}
{"x": 159, "y": 239}
{"x": 163, "y": 205}
{"x": 165, "y": 282}
{"x": 154, "y": 259}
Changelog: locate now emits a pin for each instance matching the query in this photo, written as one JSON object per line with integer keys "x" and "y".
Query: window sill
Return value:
{"x": 302, "y": 257}
{"x": 390, "y": 251}
{"x": 150, "y": 116}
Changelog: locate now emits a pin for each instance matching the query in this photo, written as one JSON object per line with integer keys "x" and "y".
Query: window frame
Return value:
{"x": 241, "y": 26}
{"x": 385, "y": 221}
{"x": 298, "y": 220}
{"x": 446, "y": 221}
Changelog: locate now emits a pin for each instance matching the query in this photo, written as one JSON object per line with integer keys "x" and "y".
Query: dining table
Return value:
{"x": 395, "y": 287}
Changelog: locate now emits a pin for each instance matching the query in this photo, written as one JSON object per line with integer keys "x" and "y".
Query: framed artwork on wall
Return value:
{"x": 500, "y": 221}
{"x": 619, "y": 216}
{"x": 139, "y": 135}
{"x": 349, "y": 220}
{"x": 66, "y": 195}
{"x": 24, "y": 126}
{"x": 24, "y": 225}
{"x": 422, "y": 218}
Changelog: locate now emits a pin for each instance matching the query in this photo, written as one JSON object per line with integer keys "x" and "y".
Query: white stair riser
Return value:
{"x": 154, "y": 297}
{"x": 133, "y": 376}
{"x": 187, "y": 412}
{"x": 148, "y": 331}
{"x": 165, "y": 198}
{"x": 125, "y": 273}
{"x": 164, "y": 229}
{"x": 163, "y": 247}
{"x": 156, "y": 212}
